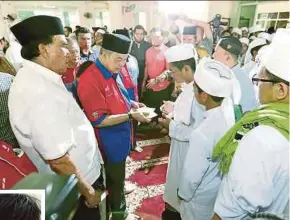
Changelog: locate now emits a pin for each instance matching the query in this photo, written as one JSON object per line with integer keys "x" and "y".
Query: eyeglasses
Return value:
{"x": 256, "y": 80}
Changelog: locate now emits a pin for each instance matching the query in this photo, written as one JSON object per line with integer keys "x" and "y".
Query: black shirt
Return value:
{"x": 139, "y": 53}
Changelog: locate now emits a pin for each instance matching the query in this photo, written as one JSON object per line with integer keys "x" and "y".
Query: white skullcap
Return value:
{"x": 237, "y": 31}
{"x": 257, "y": 42}
{"x": 265, "y": 36}
{"x": 244, "y": 29}
{"x": 277, "y": 57}
{"x": 101, "y": 31}
{"x": 216, "y": 79}
{"x": 253, "y": 37}
{"x": 255, "y": 29}
{"x": 256, "y": 69}
{"x": 245, "y": 41}
{"x": 180, "y": 52}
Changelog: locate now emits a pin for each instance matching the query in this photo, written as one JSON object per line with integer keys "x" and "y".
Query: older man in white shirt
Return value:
{"x": 215, "y": 85}
{"x": 254, "y": 155}
{"x": 187, "y": 114}
{"x": 46, "y": 120}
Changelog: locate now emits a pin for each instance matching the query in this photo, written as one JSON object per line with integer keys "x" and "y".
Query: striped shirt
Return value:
{"x": 6, "y": 133}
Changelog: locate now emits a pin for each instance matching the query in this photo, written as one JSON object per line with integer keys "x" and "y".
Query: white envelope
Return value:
{"x": 147, "y": 110}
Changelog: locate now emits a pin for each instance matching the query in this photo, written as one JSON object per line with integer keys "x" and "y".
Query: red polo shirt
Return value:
{"x": 156, "y": 64}
{"x": 100, "y": 95}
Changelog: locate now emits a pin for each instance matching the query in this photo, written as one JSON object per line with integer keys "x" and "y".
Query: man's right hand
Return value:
{"x": 93, "y": 200}
{"x": 141, "y": 117}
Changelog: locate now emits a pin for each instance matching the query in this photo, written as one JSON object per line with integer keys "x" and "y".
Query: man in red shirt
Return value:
{"x": 155, "y": 65}
{"x": 73, "y": 61}
{"x": 107, "y": 105}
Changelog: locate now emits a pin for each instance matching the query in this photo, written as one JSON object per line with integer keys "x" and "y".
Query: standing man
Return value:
{"x": 227, "y": 52}
{"x": 259, "y": 144}
{"x": 214, "y": 85}
{"x": 139, "y": 48}
{"x": 84, "y": 37}
{"x": 98, "y": 41}
{"x": 187, "y": 114}
{"x": 237, "y": 33}
{"x": 108, "y": 106}
{"x": 156, "y": 64}
{"x": 245, "y": 44}
{"x": 47, "y": 122}
{"x": 67, "y": 31}
{"x": 73, "y": 62}
{"x": 245, "y": 32}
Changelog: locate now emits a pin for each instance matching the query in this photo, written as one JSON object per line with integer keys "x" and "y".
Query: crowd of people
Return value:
{"x": 71, "y": 101}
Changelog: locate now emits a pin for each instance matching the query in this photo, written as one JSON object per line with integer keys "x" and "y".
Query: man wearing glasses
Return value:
{"x": 254, "y": 154}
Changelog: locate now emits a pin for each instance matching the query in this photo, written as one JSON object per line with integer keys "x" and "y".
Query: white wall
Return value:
{"x": 10, "y": 7}
{"x": 275, "y": 6}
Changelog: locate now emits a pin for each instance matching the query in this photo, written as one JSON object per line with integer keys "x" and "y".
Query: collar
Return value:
{"x": 106, "y": 73}
{"x": 43, "y": 71}
{"x": 235, "y": 67}
{"x": 84, "y": 55}
{"x": 212, "y": 111}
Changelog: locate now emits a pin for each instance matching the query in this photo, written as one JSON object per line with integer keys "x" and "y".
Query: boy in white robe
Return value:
{"x": 187, "y": 114}
{"x": 254, "y": 155}
{"x": 215, "y": 85}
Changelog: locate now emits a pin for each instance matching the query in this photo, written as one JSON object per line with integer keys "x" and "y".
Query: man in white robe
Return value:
{"x": 215, "y": 85}
{"x": 257, "y": 176}
{"x": 187, "y": 115}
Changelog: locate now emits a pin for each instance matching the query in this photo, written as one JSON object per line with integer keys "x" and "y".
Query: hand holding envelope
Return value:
{"x": 148, "y": 112}
{"x": 167, "y": 107}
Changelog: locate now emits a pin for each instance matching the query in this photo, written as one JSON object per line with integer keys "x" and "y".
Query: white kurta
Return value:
{"x": 258, "y": 179}
{"x": 179, "y": 131}
{"x": 48, "y": 123}
{"x": 200, "y": 178}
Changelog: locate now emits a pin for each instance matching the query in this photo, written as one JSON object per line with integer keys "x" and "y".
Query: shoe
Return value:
{"x": 129, "y": 187}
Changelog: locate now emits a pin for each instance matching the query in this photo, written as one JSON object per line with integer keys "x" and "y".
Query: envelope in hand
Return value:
{"x": 147, "y": 110}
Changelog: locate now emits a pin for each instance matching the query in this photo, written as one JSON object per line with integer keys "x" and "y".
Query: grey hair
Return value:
{"x": 105, "y": 51}
{"x": 71, "y": 41}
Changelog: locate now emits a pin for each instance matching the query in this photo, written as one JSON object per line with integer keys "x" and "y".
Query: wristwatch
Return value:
{"x": 130, "y": 116}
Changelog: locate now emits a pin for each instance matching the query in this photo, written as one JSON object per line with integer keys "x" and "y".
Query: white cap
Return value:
{"x": 265, "y": 36}
{"x": 277, "y": 56}
{"x": 101, "y": 31}
{"x": 216, "y": 79}
{"x": 237, "y": 31}
{"x": 257, "y": 42}
{"x": 252, "y": 37}
{"x": 255, "y": 29}
{"x": 244, "y": 29}
{"x": 257, "y": 67}
{"x": 180, "y": 52}
{"x": 245, "y": 41}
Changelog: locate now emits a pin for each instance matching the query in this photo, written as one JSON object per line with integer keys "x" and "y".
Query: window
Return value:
{"x": 273, "y": 19}
{"x": 68, "y": 17}
{"x": 142, "y": 19}
{"x": 102, "y": 18}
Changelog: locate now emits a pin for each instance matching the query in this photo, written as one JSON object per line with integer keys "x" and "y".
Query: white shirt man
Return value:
{"x": 47, "y": 122}
{"x": 187, "y": 115}
{"x": 258, "y": 176}
{"x": 200, "y": 178}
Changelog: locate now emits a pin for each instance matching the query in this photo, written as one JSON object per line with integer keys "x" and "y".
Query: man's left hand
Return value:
{"x": 136, "y": 105}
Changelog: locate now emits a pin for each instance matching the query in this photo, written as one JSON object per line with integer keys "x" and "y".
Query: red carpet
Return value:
{"x": 147, "y": 199}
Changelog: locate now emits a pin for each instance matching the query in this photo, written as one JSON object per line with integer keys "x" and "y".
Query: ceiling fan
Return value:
{"x": 129, "y": 8}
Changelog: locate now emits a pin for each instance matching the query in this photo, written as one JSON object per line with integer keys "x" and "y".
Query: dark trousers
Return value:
{"x": 169, "y": 214}
{"x": 154, "y": 99}
{"x": 85, "y": 212}
{"x": 135, "y": 125}
{"x": 115, "y": 180}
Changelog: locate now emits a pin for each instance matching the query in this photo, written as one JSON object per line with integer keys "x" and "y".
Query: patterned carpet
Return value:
{"x": 147, "y": 199}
